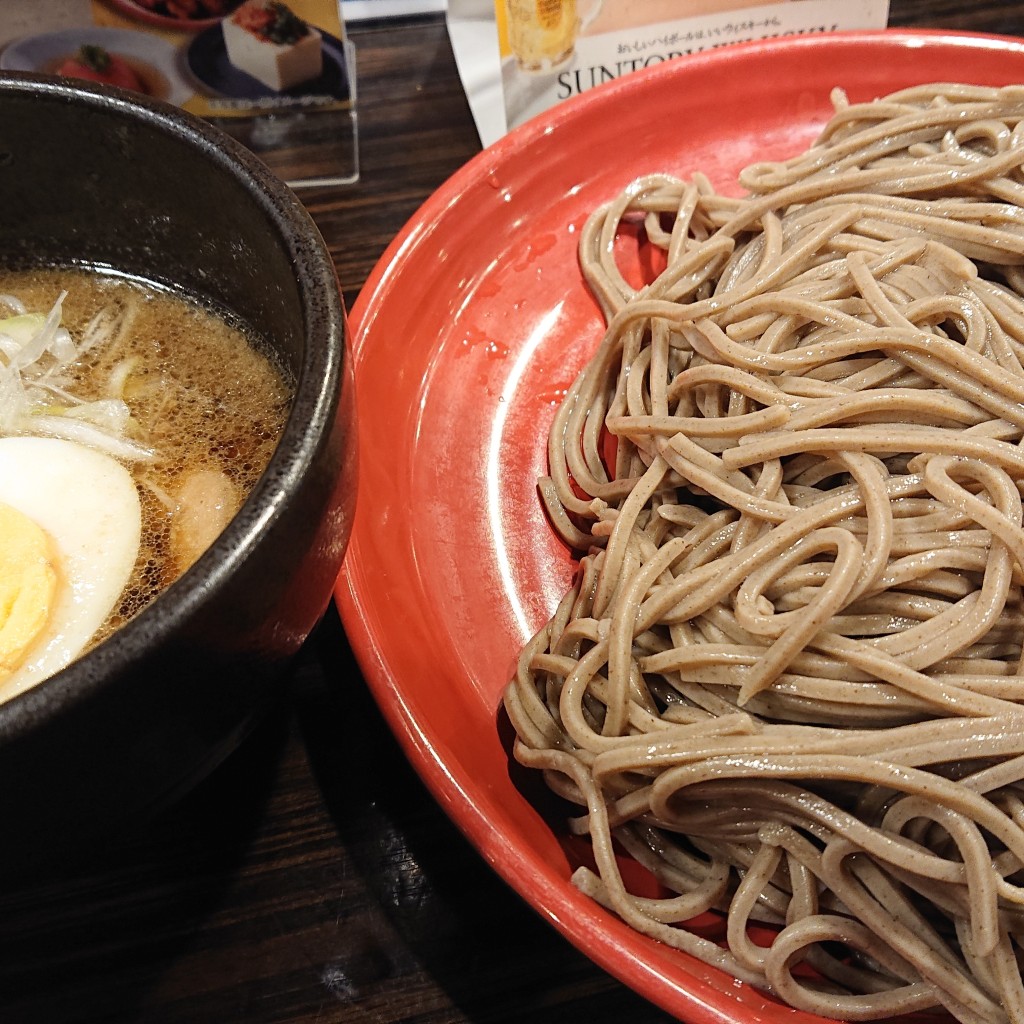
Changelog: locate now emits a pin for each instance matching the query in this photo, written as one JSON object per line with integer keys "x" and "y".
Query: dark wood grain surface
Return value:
{"x": 292, "y": 886}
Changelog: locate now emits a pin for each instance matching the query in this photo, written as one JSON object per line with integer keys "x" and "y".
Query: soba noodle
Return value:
{"x": 789, "y": 678}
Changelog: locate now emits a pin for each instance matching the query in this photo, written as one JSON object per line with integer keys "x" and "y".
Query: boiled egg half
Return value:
{"x": 70, "y": 528}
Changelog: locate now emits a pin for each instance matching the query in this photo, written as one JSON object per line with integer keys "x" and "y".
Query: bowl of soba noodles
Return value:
{"x": 176, "y": 432}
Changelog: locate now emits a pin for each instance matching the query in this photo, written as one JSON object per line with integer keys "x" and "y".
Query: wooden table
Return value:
{"x": 292, "y": 886}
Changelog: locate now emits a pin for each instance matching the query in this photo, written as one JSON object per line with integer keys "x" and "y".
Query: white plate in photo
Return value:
{"x": 154, "y": 60}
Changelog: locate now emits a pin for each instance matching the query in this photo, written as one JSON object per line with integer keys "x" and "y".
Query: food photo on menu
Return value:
{"x": 215, "y": 58}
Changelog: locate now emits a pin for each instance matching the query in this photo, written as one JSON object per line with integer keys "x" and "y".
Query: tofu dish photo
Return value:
{"x": 266, "y": 40}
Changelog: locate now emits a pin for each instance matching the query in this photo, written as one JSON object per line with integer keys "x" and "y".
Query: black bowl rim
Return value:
{"x": 317, "y": 393}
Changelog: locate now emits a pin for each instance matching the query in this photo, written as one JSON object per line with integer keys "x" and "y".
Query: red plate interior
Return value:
{"x": 467, "y": 334}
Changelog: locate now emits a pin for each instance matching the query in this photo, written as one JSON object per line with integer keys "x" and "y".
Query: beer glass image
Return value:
{"x": 542, "y": 33}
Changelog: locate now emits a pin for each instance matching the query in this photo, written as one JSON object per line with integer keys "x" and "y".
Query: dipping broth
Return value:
{"x": 202, "y": 406}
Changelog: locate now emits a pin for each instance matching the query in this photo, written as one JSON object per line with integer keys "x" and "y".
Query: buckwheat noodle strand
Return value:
{"x": 789, "y": 677}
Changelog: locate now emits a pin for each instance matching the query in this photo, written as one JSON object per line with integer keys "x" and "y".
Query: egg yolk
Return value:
{"x": 28, "y": 584}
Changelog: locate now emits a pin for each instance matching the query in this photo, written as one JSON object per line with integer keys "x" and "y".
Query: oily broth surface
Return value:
{"x": 201, "y": 391}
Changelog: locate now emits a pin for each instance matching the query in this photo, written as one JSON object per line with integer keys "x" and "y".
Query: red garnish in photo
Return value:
{"x": 95, "y": 64}
{"x": 272, "y": 21}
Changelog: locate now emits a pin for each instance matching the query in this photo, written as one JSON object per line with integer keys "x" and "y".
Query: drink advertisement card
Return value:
{"x": 550, "y": 50}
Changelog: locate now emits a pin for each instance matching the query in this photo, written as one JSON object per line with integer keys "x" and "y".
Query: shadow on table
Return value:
{"x": 86, "y": 939}
{"x": 490, "y": 952}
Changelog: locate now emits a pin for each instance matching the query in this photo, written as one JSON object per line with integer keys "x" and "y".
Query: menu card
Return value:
{"x": 279, "y": 76}
{"x": 545, "y": 51}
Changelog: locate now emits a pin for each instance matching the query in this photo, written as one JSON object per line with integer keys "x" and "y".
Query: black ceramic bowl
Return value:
{"x": 98, "y": 177}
